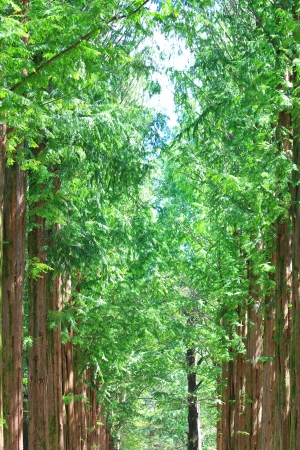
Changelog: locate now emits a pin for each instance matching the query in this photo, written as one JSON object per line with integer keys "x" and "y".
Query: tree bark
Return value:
{"x": 54, "y": 364}
{"x": 54, "y": 356}
{"x": 269, "y": 381}
{"x": 283, "y": 262}
{"x": 193, "y": 413}
{"x": 239, "y": 380}
{"x": 295, "y": 212}
{"x": 2, "y": 170}
{"x": 14, "y": 236}
{"x": 254, "y": 372}
{"x": 38, "y": 374}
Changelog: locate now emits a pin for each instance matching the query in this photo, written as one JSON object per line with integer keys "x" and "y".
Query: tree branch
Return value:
{"x": 84, "y": 38}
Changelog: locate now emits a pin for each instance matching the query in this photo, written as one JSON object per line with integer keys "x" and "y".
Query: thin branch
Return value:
{"x": 84, "y": 38}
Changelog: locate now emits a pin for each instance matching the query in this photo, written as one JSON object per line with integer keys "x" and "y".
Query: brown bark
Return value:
{"x": 14, "y": 236}
{"x": 283, "y": 333}
{"x": 283, "y": 263}
{"x": 54, "y": 357}
{"x": 268, "y": 383}
{"x": 71, "y": 441}
{"x": 239, "y": 380}
{"x": 2, "y": 169}
{"x": 37, "y": 371}
{"x": 219, "y": 428}
{"x": 295, "y": 210}
{"x": 70, "y": 433}
{"x": 228, "y": 412}
{"x": 84, "y": 425}
{"x": 253, "y": 399}
{"x": 193, "y": 413}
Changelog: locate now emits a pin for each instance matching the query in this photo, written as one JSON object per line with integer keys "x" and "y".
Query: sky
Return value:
{"x": 177, "y": 57}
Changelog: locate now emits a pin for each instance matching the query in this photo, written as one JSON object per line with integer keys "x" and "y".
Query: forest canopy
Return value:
{"x": 149, "y": 273}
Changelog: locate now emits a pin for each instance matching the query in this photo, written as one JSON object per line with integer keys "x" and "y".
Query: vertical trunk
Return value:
{"x": 240, "y": 387}
{"x": 283, "y": 330}
{"x": 295, "y": 386}
{"x": 81, "y": 407}
{"x": 254, "y": 372}
{"x": 82, "y": 413}
{"x": 269, "y": 387}
{"x": 37, "y": 373}
{"x": 295, "y": 210}
{"x": 268, "y": 383}
{"x": 68, "y": 382}
{"x": 193, "y": 413}
{"x": 219, "y": 428}
{"x": 14, "y": 237}
{"x": 283, "y": 313}
{"x": 54, "y": 358}
{"x": 2, "y": 168}
{"x": 228, "y": 411}
{"x": 253, "y": 391}
{"x": 68, "y": 392}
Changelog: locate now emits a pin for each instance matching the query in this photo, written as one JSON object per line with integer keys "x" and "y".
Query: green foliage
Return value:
{"x": 36, "y": 269}
{"x": 156, "y": 237}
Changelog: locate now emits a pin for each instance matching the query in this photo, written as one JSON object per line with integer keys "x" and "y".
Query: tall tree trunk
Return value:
{"x": 194, "y": 442}
{"x": 253, "y": 399}
{"x": 54, "y": 367}
{"x": 2, "y": 169}
{"x": 54, "y": 356}
{"x": 14, "y": 237}
{"x": 219, "y": 426}
{"x": 239, "y": 380}
{"x": 283, "y": 302}
{"x": 38, "y": 375}
{"x": 269, "y": 382}
{"x": 295, "y": 210}
{"x": 228, "y": 412}
{"x": 68, "y": 381}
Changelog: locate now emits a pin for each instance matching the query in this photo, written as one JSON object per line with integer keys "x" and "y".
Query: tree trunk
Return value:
{"x": 37, "y": 373}
{"x": 254, "y": 372}
{"x": 283, "y": 264}
{"x": 239, "y": 380}
{"x": 219, "y": 427}
{"x": 253, "y": 375}
{"x": 269, "y": 381}
{"x": 228, "y": 412}
{"x": 194, "y": 442}
{"x": 14, "y": 237}
{"x": 54, "y": 357}
{"x": 2, "y": 169}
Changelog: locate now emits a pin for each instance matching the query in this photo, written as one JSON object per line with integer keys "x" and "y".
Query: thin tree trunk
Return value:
{"x": 239, "y": 379}
{"x": 193, "y": 413}
{"x": 14, "y": 237}
{"x": 269, "y": 381}
{"x": 38, "y": 374}
{"x": 283, "y": 312}
{"x": 254, "y": 372}
{"x": 55, "y": 411}
{"x": 228, "y": 410}
{"x": 295, "y": 210}
{"x": 68, "y": 382}
{"x": 54, "y": 358}
{"x": 2, "y": 169}
{"x": 219, "y": 427}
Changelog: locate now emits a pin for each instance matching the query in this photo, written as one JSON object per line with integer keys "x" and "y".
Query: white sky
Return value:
{"x": 177, "y": 57}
